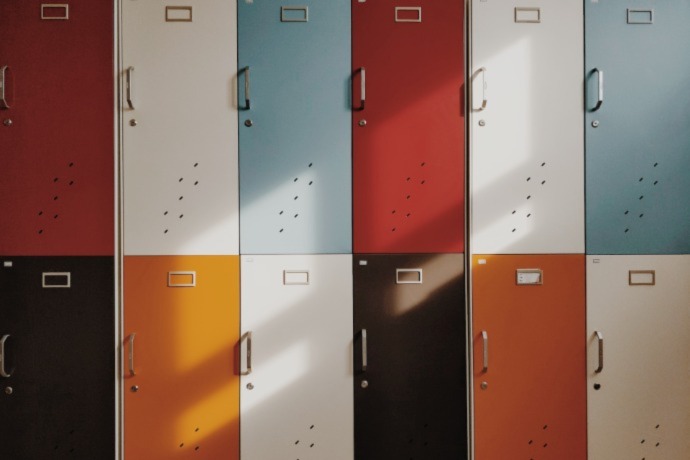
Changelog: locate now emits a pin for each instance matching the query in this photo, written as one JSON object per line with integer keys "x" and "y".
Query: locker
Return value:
{"x": 527, "y": 146}
{"x": 638, "y": 169}
{"x": 295, "y": 136}
{"x": 179, "y": 117}
{"x": 57, "y": 116}
{"x": 529, "y": 357}
{"x": 57, "y": 358}
{"x": 410, "y": 343}
{"x": 638, "y": 374}
{"x": 181, "y": 323}
{"x": 296, "y": 357}
{"x": 408, "y": 126}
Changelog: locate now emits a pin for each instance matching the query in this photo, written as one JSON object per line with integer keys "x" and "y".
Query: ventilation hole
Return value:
{"x": 311, "y": 182}
{"x": 656, "y": 164}
{"x": 196, "y": 448}
{"x": 408, "y": 214}
{"x": 181, "y": 179}
{"x": 627, "y": 212}
{"x": 71, "y": 182}
{"x": 71, "y": 432}
{"x": 312, "y": 427}
{"x": 281, "y": 230}
{"x": 641, "y": 196}
{"x": 529, "y": 196}
{"x": 597, "y": 386}
{"x": 641, "y": 179}
{"x": 297, "y": 442}
{"x": 657, "y": 444}
{"x": 627, "y": 230}
{"x": 196, "y": 164}
{"x": 296, "y": 197}
{"x": 40, "y": 232}
{"x": 55, "y": 198}
{"x": 543, "y": 182}
{"x": 423, "y": 182}
{"x": 514, "y": 230}
{"x": 296, "y": 215}
{"x": 165, "y": 231}
{"x": 55, "y": 180}
{"x": 71, "y": 164}
{"x": 657, "y": 427}
{"x": 530, "y": 442}
{"x": 408, "y": 179}
{"x": 280, "y": 213}
{"x": 528, "y": 179}
{"x": 642, "y": 442}
{"x": 513, "y": 212}
{"x": 40, "y": 213}
{"x": 182, "y": 445}
{"x": 393, "y": 229}
{"x": 165, "y": 213}
{"x": 71, "y": 450}
{"x": 311, "y": 164}
{"x": 180, "y": 198}
{"x": 196, "y": 430}
{"x": 181, "y": 216}
{"x": 641, "y": 215}
{"x": 546, "y": 444}
{"x": 196, "y": 182}
{"x": 295, "y": 180}
{"x": 543, "y": 164}
{"x": 312, "y": 445}
{"x": 529, "y": 215}
{"x": 55, "y": 216}
{"x": 546, "y": 426}
{"x": 393, "y": 212}
{"x": 408, "y": 196}
{"x": 426, "y": 425}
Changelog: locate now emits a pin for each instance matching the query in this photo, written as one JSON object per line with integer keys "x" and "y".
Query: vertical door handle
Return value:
{"x": 485, "y": 351}
{"x": 485, "y": 101}
{"x": 4, "y": 90}
{"x": 362, "y": 89}
{"x": 248, "y": 355}
{"x": 600, "y": 339}
{"x": 3, "y": 371}
{"x": 132, "y": 372}
{"x": 365, "y": 357}
{"x": 600, "y": 90}
{"x": 130, "y": 87}
{"x": 247, "y": 89}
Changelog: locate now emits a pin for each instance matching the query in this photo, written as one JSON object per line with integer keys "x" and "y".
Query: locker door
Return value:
{"x": 57, "y": 365}
{"x": 296, "y": 357}
{"x": 179, "y": 117}
{"x": 638, "y": 404}
{"x": 181, "y": 328}
{"x": 56, "y": 128}
{"x": 638, "y": 168}
{"x": 295, "y": 136}
{"x": 409, "y": 338}
{"x": 529, "y": 357}
{"x": 527, "y": 135}
{"x": 408, "y": 126}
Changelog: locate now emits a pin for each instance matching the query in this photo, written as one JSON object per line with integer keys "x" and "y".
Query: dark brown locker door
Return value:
{"x": 57, "y": 385}
{"x": 530, "y": 398}
{"x": 410, "y": 392}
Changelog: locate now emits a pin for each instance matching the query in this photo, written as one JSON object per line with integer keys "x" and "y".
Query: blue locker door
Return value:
{"x": 295, "y": 134}
{"x": 638, "y": 142}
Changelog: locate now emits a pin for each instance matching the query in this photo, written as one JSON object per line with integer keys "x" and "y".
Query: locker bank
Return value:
{"x": 344, "y": 230}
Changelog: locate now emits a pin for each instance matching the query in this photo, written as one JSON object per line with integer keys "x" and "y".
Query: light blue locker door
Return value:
{"x": 638, "y": 115}
{"x": 295, "y": 127}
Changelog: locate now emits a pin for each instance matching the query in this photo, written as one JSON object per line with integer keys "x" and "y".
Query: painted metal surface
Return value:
{"x": 295, "y": 158}
{"x": 638, "y": 168}
{"x": 527, "y": 147}
{"x": 529, "y": 358}
{"x": 179, "y": 117}
{"x": 410, "y": 390}
{"x": 181, "y": 382}
{"x": 57, "y": 363}
{"x": 638, "y": 404}
{"x": 56, "y": 137}
{"x": 296, "y": 402}
{"x": 409, "y": 139}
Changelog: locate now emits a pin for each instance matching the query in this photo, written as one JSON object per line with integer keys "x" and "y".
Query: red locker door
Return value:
{"x": 57, "y": 177}
{"x": 530, "y": 396}
{"x": 408, "y": 126}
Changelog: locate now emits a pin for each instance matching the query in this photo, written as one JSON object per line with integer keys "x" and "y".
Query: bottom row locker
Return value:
{"x": 409, "y": 348}
{"x": 181, "y": 386}
{"x": 529, "y": 357}
{"x": 57, "y": 360}
{"x": 296, "y": 357}
{"x": 638, "y": 372}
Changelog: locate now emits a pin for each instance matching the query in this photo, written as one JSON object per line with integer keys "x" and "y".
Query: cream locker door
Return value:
{"x": 527, "y": 140}
{"x": 179, "y": 117}
{"x": 639, "y": 392}
{"x": 296, "y": 399}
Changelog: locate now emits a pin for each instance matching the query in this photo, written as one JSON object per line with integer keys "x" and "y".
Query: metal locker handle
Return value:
{"x": 362, "y": 90}
{"x": 4, "y": 91}
{"x": 247, "y": 88}
{"x": 485, "y": 350}
{"x": 3, "y": 372}
{"x": 364, "y": 350}
{"x": 130, "y": 87}
{"x": 600, "y": 339}
{"x": 600, "y": 90}
{"x": 248, "y": 337}
{"x": 485, "y": 101}
{"x": 132, "y": 372}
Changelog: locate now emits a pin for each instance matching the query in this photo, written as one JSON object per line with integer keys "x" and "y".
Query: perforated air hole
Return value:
{"x": 295, "y": 179}
{"x": 311, "y": 182}
{"x": 423, "y": 164}
{"x": 514, "y": 230}
{"x": 181, "y": 179}
{"x": 642, "y": 442}
{"x": 657, "y": 427}
{"x": 165, "y": 213}
{"x": 656, "y": 182}
{"x": 71, "y": 450}
{"x": 393, "y": 229}
{"x": 196, "y": 164}
{"x": 296, "y": 215}
{"x": 656, "y": 164}
{"x": 40, "y": 232}
{"x": 71, "y": 432}
{"x": 311, "y": 164}
{"x": 196, "y": 430}
{"x": 281, "y": 230}
{"x": 312, "y": 445}
{"x": 55, "y": 180}
{"x": 529, "y": 196}
{"x": 546, "y": 426}
{"x": 393, "y": 212}
{"x": 71, "y": 164}
{"x": 196, "y": 448}
{"x": 528, "y": 179}
{"x": 40, "y": 213}
{"x": 543, "y": 164}
{"x": 56, "y": 447}
{"x": 181, "y": 198}
{"x": 543, "y": 182}
{"x": 408, "y": 214}
{"x": 55, "y": 198}
{"x": 165, "y": 231}
{"x": 641, "y": 179}
{"x": 408, "y": 197}
{"x": 297, "y": 442}
{"x": 55, "y": 216}
{"x": 627, "y": 212}
{"x": 529, "y": 215}
{"x": 312, "y": 427}
{"x": 181, "y": 216}
{"x": 181, "y": 445}
{"x": 514, "y": 211}
{"x": 423, "y": 182}
{"x": 641, "y": 215}
{"x": 196, "y": 182}
{"x": 597, "y": 386}
{"x": 296, "y": 197}
{"x": 546, "y": 445}
{"x": 657, "y": 444}
{"x": 71, "y": 182}
{"x": 627, "y": 230}
{"x": 408, "y": 179}
{"x": 281, "y": 213}
{"x": 641, "y": 196}
{"x": 530, "y": 442}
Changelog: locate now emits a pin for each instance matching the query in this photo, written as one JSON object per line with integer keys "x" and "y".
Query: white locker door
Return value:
{"x": 179, "y": 116}
{"x": 527, "y": 139}
{"x": 296, "y": 399}
{"x": 639, "y": 393}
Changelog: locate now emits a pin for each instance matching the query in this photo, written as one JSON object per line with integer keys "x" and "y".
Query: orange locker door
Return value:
{"x": 529, "y": 357}
{"x": 181, "y": 384}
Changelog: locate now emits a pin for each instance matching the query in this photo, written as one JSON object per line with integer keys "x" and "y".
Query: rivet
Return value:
{"x": 250, "y": 386}
{"x": 134, "y": 388}
{"x": 365, "y": 384}
{"x": 248, "y": 123}
{"x": 362, "y": 123}
{"x": 595, "y": 124}
{"x": 132, "y": 122}
{"x": 7, "y": 122}
{"x": 9, "y": 391}
{"x": 482, "y": 123}
{"x": 484, "y": 385}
